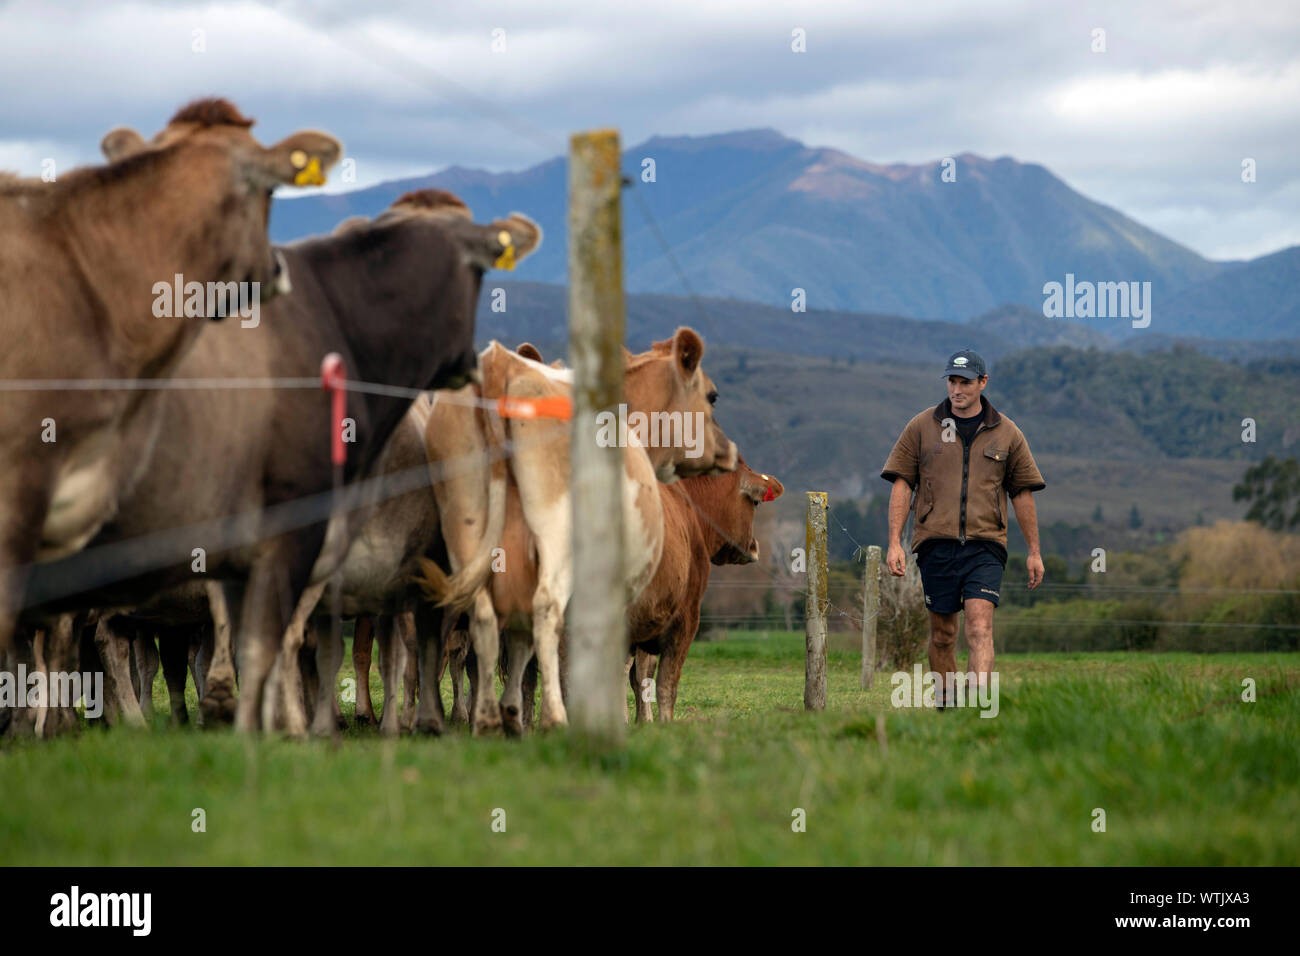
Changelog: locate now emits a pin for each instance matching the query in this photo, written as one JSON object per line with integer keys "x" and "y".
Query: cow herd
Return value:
{"x": 169, "y": 495}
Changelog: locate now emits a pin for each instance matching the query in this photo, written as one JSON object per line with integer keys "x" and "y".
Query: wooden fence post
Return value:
{"x": 814, "y": 679}
{"x": 596, "y": 633}
{"x": 870, "y": 611}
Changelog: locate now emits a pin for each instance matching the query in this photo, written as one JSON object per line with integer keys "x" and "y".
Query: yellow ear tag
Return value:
{"x": 311, "y": 176}
{"x": 507, "y": 258}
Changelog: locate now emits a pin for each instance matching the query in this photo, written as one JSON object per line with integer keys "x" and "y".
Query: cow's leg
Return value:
{"x": 563, "y": 655}
{"x": 174, "y": 650}
{"x": 293, "y": 711}
{"x": 39, "y": 704}
{"x": 363, "y": 640}
{"x": 519, "y": 652}
{"x": 192, "y": 646}
{"x": 93, "y": 665}
{"x": 486, "y": 640}
{"x": 548, "y": 612}
{"x": 471, "y": 674}
{"x": 629, "y": 671}
{"x": 64, "y": 654}
{"x": 528, "y": 688}
{"x": 201, "y": 657}
{"x": 115, "y": 652}
{"x": 392, "y": 664}
{"x": 56, "y": 655}
{"x": 22, "y": 655}
{"x": 550, "y": 524}
{"x": 275, "y": 584}
{"x": 457, "y": 654}
{"x": 218, "y": 701}
{"x": 310, "y": 676}
{"x": 672, "y": 657}
{"x": 411, "y": 672}
{"x": 132, "y": 667}
{"x": 329, "y": 657}
{"x": 146, "y": 668}
{"x": 430, "y": 637}
{"x": 642, "y": 673}
{"x": 272, "y": 709}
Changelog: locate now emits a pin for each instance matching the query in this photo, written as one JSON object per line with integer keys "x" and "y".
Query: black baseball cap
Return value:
{"x": 965, "y": 363}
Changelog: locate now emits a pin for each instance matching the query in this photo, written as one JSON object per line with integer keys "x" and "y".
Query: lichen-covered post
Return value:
{"x": 870, "y": 611}
{"x": 596, "y": 635}
{"x": 814, "y": 679}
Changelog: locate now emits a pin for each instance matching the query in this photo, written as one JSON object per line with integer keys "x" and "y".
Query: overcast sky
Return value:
{"x": 1157, "y": 125}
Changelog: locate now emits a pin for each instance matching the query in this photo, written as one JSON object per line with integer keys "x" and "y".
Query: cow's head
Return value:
{"x": 669, "y": 378}
{"x": 726, "y": 505}
{"x": 436, "y": 253}
{"x": 499, "y": 244}
{"x": 220, "y": 180}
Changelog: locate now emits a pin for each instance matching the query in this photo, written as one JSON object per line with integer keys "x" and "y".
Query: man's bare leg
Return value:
{"x": 943, "y": 649}
{"x": 979, "y": 638}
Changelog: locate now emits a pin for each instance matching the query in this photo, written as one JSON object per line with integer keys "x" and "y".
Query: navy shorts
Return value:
{"x": 952, "y": 571}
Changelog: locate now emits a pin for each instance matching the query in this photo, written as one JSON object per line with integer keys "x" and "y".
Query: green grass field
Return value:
{"x": 1186, "y": 772}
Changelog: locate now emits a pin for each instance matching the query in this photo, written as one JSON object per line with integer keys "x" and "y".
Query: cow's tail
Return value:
{"x": 458, "y": 591}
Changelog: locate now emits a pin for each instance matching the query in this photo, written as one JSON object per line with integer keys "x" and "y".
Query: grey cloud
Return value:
{"x": 884, "y": 83}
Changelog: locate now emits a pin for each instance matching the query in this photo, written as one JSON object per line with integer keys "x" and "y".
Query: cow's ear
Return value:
{"x": 502, "y": 243}
{"x": 302, "y": 159}
{"x": 120, "y": 143}
{"x": 529, "y": 350}
{"x": 688, "y": 350}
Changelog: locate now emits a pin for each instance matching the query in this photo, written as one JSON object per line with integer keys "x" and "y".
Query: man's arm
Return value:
{"x": 900, "y": 503}
{"x": 1027, "y": 518}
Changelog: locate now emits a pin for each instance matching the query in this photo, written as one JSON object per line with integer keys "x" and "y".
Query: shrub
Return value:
{"x": 903, "y": 627}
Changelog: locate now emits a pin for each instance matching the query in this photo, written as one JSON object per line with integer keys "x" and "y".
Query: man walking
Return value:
{"x": 962, "y": 458}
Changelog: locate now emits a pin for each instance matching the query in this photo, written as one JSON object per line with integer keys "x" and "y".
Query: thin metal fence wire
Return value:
{"x": 108, "y": 564}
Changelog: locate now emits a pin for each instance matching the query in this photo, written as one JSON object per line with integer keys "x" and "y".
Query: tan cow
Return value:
{"x": 666, "y": 379}
{"x": 706, "y": 520}
{"x": 80, "y": 262}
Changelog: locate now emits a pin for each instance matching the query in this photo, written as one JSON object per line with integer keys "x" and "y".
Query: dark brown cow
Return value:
{"x": 245, "y": 473}
{"x": 706, "y": 519}
{"x": 80, "y": 259}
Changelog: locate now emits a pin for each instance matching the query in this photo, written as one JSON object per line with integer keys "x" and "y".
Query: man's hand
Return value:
{"x": 1036, "y": 570}
{"x": 900, "y": 502}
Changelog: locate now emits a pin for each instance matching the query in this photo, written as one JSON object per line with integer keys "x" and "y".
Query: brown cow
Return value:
{"x": 667, "y": 378}
{"x": 80, "y": 259}
{"x": 706, "y": 519}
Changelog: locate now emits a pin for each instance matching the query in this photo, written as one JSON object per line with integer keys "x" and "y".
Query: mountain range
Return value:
{"x": 754, "y": 215}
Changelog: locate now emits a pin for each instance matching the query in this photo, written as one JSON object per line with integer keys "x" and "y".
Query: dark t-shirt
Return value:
{"x": 966, "y": 427}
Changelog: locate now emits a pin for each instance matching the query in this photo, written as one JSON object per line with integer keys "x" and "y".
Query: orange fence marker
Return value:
{"x": 558, "y": 406}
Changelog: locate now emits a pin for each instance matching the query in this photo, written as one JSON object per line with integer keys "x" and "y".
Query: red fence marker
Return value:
{"x": 332, "y": 378}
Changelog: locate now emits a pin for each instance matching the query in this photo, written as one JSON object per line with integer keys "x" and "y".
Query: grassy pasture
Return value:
{"x": 1186, "y": 772}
